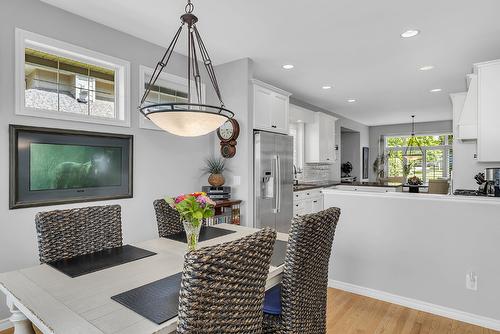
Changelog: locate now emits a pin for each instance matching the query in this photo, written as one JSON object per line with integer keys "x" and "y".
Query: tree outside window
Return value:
{"x": 435, "y": 162}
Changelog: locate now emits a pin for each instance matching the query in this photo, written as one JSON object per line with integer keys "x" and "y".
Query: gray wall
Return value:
{"x": 402, "y": 129}
{"x": 342, "y": 122}
{"x": 157, "y": 155}
{"x": 234, "y": 80}
{"x": 350, "y": 148}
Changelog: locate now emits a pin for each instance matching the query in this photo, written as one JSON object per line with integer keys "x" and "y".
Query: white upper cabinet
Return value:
{"x": 488, "y": 111}
{"x": 320, "y": 139}
{"x": 270, "y": 108}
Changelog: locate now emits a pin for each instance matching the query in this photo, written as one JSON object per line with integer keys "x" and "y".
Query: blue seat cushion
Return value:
{"x": 272, "y": 300}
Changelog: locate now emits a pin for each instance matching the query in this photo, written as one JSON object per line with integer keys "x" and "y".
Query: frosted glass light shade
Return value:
{"x": 187, "y": 123}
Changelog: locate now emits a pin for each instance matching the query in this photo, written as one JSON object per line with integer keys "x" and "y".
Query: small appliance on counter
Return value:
{"x": 492, "y": 176}
{"x": 217, "y": 193}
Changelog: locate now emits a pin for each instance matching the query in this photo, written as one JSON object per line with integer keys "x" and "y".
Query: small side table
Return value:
{"x": 226, "y": 212}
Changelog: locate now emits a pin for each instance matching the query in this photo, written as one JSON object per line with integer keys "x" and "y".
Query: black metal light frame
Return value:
{"x": 193, "y": 71}
{"x": 413, "y": 145}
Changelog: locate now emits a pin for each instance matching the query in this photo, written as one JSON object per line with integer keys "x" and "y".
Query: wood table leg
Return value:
{"x": 22, "y": 325}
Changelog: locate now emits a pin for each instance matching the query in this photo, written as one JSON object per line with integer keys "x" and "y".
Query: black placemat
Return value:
{"x": 89, "y": 263}
{"x": 157, "y": 301}
{"x": 279, "y": 253}
{"x": 206, "y": 233}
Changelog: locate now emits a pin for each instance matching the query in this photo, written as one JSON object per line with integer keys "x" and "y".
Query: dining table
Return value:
{"x": 57, "y": 303}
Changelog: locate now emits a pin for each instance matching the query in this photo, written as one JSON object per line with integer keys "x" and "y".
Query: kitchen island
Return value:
{"x": 416, "y": 250}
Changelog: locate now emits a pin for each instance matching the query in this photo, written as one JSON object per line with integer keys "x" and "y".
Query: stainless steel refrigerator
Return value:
{"x": 273, "y": 180}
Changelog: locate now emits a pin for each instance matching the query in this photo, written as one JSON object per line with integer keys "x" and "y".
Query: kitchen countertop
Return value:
{"x": 315, "y": 185}
{"x": 373, "y": 184}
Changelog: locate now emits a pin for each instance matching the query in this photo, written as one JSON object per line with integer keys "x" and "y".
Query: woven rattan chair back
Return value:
{"x": 167, "y": 218}
{"x": 305, "y": 276}
{"x": 64, "y": 234}
{"x": 222, "y": 288}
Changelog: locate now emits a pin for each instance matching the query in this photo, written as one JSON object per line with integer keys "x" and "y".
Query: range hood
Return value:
{"x": 467, "y": 124}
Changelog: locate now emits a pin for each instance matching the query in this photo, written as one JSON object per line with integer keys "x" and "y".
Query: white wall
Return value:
{"x": 402, "y": 129}
{"x": 419, "y": 247}
{"x": 157, "y": 155}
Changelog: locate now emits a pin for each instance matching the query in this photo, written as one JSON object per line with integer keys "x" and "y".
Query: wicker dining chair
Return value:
{"x": 305, "y": 276}
{"x": 167, "y": 218}
{"x": 65, "y": 234}
{"x": 222, "y": 289}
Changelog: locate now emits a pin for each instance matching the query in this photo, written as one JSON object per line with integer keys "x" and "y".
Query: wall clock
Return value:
{"x": 228, "y": 133}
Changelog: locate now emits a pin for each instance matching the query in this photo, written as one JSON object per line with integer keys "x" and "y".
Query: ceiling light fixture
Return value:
{"x": 413, "y": 149}
{"x": 426, "y": 68}
{"x": 187, "y": 119}
{"x": 326, "y": 87}
{"x": 410, "y": 33}
{"x": 288, "y": 66}
{"x": 436, "y": 90}
{"x": 351, "y": 100}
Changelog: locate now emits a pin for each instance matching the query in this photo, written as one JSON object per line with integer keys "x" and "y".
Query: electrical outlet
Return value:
{"x": 236, "y": 180}
{"x": 471, "y": 281}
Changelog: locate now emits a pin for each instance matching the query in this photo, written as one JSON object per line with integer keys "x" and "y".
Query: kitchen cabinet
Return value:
{"x": 320, "y": 145}
{"x": 488, "y": 112}
{"x": 476, "y": 116}
{"x": 307, "y": 202}
{"x": 271, "y": 108}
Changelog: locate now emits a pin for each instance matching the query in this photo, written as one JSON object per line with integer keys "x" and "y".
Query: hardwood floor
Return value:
{"x": 353, "y": 314}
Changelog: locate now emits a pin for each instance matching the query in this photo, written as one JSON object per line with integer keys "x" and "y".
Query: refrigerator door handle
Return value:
{"x": 278, "y": 198}
{"x": 275, "y": 183}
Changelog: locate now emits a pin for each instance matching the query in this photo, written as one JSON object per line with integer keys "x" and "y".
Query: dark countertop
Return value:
{"x": 315, "y": 185}
{"x": 374, "y": 184}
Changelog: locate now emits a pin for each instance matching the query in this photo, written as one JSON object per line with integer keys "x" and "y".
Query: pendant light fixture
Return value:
{"x": 413, "y": 149}
{"x": 193, "y": 118}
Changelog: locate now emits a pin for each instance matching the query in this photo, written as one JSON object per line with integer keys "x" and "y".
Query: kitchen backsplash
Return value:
{"x": 317, "y": 172}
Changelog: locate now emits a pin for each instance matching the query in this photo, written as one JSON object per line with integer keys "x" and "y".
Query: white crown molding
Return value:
{"x": 418, "y": 305}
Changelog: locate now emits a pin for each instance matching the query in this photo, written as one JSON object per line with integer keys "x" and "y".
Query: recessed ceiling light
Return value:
{"x": 426, "y": 68}
{"x": 288, "y": 66}
{"x": 327, "y": 87}
{"x": 351, "y": 100}
{"x": 436, "y": 90}
{"x": 410, "y": 33}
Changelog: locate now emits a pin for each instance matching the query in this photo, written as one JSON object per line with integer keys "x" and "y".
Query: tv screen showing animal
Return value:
{"x": 56, "y": 166}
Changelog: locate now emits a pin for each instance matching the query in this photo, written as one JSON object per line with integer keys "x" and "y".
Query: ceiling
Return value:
{"x": 352, "y": 45}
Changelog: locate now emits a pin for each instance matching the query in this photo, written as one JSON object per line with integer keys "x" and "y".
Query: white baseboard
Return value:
{"x": 418, "y": 305}
{"x": 5, "y": 324}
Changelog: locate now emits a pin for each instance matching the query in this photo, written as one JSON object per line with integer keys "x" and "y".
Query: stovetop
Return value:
{"x": 467, "y": 192}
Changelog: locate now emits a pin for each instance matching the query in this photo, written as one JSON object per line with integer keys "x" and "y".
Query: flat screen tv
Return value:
{"x": 56, "y": 166}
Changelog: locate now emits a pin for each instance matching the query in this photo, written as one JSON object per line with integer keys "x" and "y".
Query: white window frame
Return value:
{"x": 175, "y": 82}
{"x": 26, "y": 39}
{"x": 446, "y": 147}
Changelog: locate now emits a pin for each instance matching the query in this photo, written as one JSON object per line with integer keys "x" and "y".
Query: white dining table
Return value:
{"x": 57, "y": 303}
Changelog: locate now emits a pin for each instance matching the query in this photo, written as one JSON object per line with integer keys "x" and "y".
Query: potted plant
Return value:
{"x": 215, "y": 167}
{"x": 192, "y": 208}
{"x": 414, "y": 182}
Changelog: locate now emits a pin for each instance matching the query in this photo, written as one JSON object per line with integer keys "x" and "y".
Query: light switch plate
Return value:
{"x": 236, "y": 180}
{"x": 471, "y": 281}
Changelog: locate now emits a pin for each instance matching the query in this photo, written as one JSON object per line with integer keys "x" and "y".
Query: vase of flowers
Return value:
{"x": 215, "y": 167}
{"x": 192, "y": 208}
{"x": 414, "y": 182}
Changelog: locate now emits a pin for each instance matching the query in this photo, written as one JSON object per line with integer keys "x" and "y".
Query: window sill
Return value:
{"x": 40, "y": 113}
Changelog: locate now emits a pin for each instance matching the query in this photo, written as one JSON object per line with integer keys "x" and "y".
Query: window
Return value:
{"x": 168, "y": 88}
{"x": 435, "y": 163}
{"x": 63, "y": 81}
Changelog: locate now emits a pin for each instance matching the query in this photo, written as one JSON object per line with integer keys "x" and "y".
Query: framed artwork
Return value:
{"x": 366, "y": 159}
{"x": 57, "y": 166}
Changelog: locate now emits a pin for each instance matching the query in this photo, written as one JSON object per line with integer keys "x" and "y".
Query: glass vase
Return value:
{"x": 192, "y": 230}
